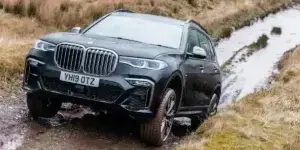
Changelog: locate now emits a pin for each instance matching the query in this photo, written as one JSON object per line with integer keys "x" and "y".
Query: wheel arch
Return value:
{"x": 176, "y": 82}
{"x": 218, "y": 90}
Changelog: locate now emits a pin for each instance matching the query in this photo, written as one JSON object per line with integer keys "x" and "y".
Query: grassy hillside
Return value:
{"x": 219, "y": 16}
{"x": 12, "y": 60}
{"x": 24, "y": 21}
{"x": 268, "y": 119}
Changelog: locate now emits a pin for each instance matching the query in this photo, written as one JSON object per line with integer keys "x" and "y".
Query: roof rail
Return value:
{"x": 188, "y": 21}
{"x": 124, "y": 10}
{"x": 193, "y": 21}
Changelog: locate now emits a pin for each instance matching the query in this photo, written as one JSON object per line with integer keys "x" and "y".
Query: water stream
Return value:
{"x": 253, "y": 73}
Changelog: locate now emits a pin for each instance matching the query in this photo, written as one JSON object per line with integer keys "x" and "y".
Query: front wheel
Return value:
{"x": 42, "y": 106}
{"x": 157, "y": 130}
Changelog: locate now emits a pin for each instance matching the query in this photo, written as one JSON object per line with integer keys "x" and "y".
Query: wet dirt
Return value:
{"x": 77, "y": 127}
{"x": 74, "y": 127}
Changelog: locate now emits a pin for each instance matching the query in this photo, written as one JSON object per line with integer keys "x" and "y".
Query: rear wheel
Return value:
{"x": 157, "y": 130}
{"x": 213, "y": 107}
{"x": 197, "y": 120}
{"x": 42, "y": 106}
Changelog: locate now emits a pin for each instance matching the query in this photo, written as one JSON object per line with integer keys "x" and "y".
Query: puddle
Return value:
{"x": 74, "y": 127}
{"x": 12, "y": 126}
{"x": 253, "y": 73}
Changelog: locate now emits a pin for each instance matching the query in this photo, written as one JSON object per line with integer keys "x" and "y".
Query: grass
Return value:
{"x": 226, "y": 65}
{"x": 210, "y": 13}
{"x": 262, "y": 42}
{"x": 12, "y": 65}
{"x": 24, "y": 21}
{"x": 192, "y": 2}
{"x": 21, "y": 17}
{"x": 268, "y": 119}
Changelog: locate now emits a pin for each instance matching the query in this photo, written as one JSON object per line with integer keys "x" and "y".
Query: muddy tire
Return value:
{"x": 213, "y": 106}
{"x": 42, "y": 106}
{"x": 212, "y": 110}
{"x": 156, "y": 131}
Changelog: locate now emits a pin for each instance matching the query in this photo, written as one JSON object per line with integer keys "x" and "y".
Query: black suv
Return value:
{"x": 150, "y": 67}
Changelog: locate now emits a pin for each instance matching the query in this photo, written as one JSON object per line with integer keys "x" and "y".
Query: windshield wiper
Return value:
{"x": 125, "y": 39}
{"x": 162, "y": 46}
{"x": 121, "y": 38}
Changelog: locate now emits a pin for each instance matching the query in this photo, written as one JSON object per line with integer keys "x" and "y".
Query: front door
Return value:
{"x": 212, "y": 69}
{"x": 197, "y": 72}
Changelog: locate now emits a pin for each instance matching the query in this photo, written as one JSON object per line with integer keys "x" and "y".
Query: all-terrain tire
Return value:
{"x": 213, "y": 106}
{"x": 197, "y": 120}
{"x": 42, "y": 106}
{"x": 151, "y": 131}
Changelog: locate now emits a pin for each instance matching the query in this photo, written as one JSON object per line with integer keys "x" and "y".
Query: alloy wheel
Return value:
{"x": 167, "y": 122}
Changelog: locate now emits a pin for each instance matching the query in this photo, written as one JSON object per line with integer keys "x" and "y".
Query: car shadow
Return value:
{"x": 100, "y": 130}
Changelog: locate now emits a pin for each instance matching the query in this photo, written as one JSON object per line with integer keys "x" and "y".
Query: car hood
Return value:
{"x": 121, "y": 47}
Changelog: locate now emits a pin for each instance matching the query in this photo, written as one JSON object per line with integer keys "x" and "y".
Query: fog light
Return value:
{"x": 140, "y": 82}
{"x": 138, "y": 98}
{"x": 35, "y": 62}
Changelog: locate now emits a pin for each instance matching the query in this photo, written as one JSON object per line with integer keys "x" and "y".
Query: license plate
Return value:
{"x": 79, "y": 79}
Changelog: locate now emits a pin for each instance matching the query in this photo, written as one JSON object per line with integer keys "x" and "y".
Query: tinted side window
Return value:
{"x": 205, "y": 44}
{"x": 213, "y": 51}
{"x": 192, "y": 40}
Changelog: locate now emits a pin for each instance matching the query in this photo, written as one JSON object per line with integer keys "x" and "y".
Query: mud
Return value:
{"x": 78, "y": 127}
{"x": 74, "y": 127}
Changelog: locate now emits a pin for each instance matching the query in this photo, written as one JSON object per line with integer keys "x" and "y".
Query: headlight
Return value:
{"x": 143, "y": 63}
{"x": 44, "y": 46}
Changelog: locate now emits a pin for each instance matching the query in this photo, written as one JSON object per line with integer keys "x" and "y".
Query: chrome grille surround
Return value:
{"x": 92, "y": 60}
{"x": 69, "y": 56}
{"x": 99, "y": 61}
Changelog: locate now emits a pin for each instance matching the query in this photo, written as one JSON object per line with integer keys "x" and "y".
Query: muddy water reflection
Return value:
{"x": 251, "y": 74}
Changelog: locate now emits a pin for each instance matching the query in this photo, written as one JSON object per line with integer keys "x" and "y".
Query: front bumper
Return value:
{"x": 115, "y": 93}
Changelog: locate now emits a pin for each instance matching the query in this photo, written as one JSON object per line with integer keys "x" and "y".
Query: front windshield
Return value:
{"x": 139, "y": 29}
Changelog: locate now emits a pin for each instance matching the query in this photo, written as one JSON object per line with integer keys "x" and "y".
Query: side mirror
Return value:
{"x": 76, "y": 30}
{"x": 199, "y": 52}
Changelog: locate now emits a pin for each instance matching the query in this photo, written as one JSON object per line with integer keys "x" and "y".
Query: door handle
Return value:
{"x": 201, "y": 68}
{"x": 216, "y": 70}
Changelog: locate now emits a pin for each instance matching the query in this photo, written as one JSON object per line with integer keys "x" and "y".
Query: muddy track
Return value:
{"x": 75, "y": 127}
{"x": 247, "y": 73}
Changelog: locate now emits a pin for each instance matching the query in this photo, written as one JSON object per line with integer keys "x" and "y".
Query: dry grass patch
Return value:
{"x": 219, "y": 16}
{"x": 222, "y": 16}
{"x": 262, "y": 42}
{"x": 24, "y": 29}
{"x": 268, "y": 119}
{"x": 16, "y": 37}
{"x": 12, "y": 65}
